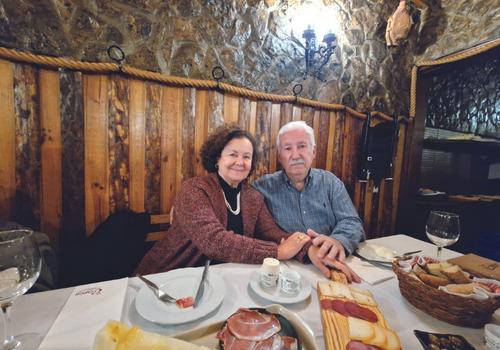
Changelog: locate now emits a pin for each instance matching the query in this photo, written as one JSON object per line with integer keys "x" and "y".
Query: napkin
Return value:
{"x": 371, "y": 274}
{"x": 88, "y": 308}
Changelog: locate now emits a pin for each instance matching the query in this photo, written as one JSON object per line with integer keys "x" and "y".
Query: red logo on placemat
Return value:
{"x": 90, "y": 291}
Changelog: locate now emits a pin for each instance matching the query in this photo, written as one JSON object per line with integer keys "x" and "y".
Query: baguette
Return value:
{"x": 435, "y": 269}
{"x": 465, "y": 289}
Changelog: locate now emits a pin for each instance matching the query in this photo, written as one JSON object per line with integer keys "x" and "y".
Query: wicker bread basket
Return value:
{"x": 464, "y": 312}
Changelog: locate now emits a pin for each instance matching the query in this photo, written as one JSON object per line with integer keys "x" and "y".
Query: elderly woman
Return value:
{"x": 219, "y": 216}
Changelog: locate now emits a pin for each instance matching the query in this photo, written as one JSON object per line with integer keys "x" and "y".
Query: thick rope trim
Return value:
{"x": 473, "y": 51}
{"x": 57, "y": 63}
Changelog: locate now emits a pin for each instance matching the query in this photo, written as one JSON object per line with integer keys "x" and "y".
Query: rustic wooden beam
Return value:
{"x": 137, "y": 147}
{"x": 51, "y": 173}
{"x": 95, "y": 107}
{"x": 7, "y": 140}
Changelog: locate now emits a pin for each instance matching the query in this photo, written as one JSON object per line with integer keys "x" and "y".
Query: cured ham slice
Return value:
{"x": 253, "y": 330}
{"x": 357, "y": 345}
{"x": 252, "y": 325}
{"x": 185, "y": 302}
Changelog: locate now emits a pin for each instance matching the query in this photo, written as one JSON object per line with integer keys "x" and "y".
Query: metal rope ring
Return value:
{"x": 297, "y": 89}
{"x": 218, "y": 73}
{"x": 116, "y": 53}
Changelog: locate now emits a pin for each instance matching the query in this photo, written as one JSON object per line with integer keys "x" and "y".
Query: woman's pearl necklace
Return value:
{"x": 237, "y": 211}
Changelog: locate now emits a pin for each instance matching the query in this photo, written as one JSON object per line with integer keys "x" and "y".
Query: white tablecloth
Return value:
{"x": 33, "y": 314}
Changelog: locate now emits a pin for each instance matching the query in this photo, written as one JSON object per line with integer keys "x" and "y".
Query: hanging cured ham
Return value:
{"x": 398, "y": 25}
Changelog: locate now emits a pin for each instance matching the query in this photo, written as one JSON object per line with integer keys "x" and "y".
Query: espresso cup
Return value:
{"x": 269, "y": 273}
{"x": 290, "y": 281}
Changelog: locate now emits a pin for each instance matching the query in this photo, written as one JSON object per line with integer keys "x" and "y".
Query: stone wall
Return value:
{"x": 252, "y": 40}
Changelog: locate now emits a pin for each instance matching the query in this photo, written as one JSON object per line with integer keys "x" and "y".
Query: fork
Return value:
{"x": 158, "y": 292}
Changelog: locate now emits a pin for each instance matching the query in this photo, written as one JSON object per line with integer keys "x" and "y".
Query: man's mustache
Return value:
{"x": 297, "y": 162}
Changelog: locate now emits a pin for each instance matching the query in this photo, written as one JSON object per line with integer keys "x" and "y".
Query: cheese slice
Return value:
{"x": 379, "y": 339}
{"x": 360, "y": 329}
{"x": 118, "y": 336}
{"x": 364, "y": 299}
{"x": 340, "y": 290}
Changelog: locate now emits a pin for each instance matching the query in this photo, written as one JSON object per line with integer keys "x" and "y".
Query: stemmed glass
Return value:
{"x": 20, "y": 264}
{"x": 443, "y": 229}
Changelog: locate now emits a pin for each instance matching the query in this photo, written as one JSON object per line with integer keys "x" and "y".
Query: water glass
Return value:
{"x": 443, "y": 229}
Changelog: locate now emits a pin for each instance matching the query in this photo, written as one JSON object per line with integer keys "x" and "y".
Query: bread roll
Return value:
{"x": 455, "y": 273}
{"x": 465, "y": 289}
{"x": 432, "y": 280}
{"x": 435, "y": 269}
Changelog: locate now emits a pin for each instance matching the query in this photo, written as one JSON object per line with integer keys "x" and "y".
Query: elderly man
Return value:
{"x": 312, "y": 200}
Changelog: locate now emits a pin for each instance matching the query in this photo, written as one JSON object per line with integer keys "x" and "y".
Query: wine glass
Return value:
{"x": 20, "y": 264}
{"x": 443, "y": 229}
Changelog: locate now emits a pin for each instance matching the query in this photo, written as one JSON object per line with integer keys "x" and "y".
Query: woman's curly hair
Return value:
{"x": 212, "y": 147}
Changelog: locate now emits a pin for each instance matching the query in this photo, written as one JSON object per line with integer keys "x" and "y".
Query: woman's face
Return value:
{"x": 235, "y": 161}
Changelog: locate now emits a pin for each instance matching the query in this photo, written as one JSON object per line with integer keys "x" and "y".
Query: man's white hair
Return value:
{"x": 296, "y": 125}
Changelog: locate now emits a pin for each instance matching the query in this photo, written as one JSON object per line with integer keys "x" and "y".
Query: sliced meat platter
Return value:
{"x": 257, "y": 329}
{"x": 352, "y": 321}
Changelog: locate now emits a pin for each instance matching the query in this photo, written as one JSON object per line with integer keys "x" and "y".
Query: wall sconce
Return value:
{"x": 317, "y": 56}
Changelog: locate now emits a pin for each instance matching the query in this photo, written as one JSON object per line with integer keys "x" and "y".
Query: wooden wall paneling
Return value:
{"x": 50, "y": 123}
{"x": 244, "y": 113}
{"x": 307, "y": 115}
{"x": 315, "y": 125}
{"x": 275, "y": 126}
{"x": 7, "y": 141}
{"x": 330, "y": 145}
{"x": 367, "y": 210}
{"x": 215, "y": 110}
{"x": 171, "y": 133}
{"x": 26, "y": 110}
{"x": 322, "y": 126}
{"x": 201, "y": 127}
{"x": 95, "y": 92}
{"x": 359, "y": 197}
{"x": 188, "y": 133}
{"x": 297, "y": 113}
{"x": 253, "y": 117}
{"x": 384, "y": 214}
{"x": 338, "y": 144}
{"x": 286, "y": 113}
{"x": 397, "y": 171}
{"x": 73, "y": 151}
{"x": 119, "y": 125}
{"x": 153, "y": 148}
{"x": 231, "y": 109}
{"x": 348, "y": 176}
{"x": 263, "y": 136}
{"x": 137, "y": 143}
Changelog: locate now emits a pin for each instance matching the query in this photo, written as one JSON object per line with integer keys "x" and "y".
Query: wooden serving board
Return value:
{"x": 335, "y": 325}
{"x": 478, "y": 266}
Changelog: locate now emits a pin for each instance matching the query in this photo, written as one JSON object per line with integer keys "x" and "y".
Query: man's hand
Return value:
{"x": 328, "y": 247}
{"x": 290, "y": 246}
{"x": 322, "y": 265}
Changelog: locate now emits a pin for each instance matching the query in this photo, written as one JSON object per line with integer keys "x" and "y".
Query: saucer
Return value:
{"x": 275, "y": 294}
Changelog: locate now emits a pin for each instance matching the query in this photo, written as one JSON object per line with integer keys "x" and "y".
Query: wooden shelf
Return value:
{"x": 463, "y": 146}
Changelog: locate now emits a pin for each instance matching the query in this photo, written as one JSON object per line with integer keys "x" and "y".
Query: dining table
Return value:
{"x": 33, "y": 315}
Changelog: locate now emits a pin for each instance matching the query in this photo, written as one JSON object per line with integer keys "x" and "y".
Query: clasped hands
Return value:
{"x": 324, "y": 252}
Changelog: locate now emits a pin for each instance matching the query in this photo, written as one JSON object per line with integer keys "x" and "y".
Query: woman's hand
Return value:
{"x": 289, "y": 247}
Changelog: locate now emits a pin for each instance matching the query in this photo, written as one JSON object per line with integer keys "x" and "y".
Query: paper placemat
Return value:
{"x": 88, "y": 308}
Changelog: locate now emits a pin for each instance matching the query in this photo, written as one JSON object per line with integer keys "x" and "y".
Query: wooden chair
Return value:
{"x": 162, "y": 223}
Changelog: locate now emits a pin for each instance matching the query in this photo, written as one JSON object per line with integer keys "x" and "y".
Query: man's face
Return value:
{"x": 296, "y": 154}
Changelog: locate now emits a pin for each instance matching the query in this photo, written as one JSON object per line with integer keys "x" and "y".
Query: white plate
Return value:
{"x": 180, "y": 283}
{"x": 276, "y": 295}
{"x": 375, "y": 252}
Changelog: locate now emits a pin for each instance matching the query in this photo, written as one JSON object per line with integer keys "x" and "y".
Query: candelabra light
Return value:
{"x": 317, "y": 56}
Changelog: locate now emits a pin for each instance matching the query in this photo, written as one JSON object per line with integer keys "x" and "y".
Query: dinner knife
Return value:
{"x": 201, "y": 287}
